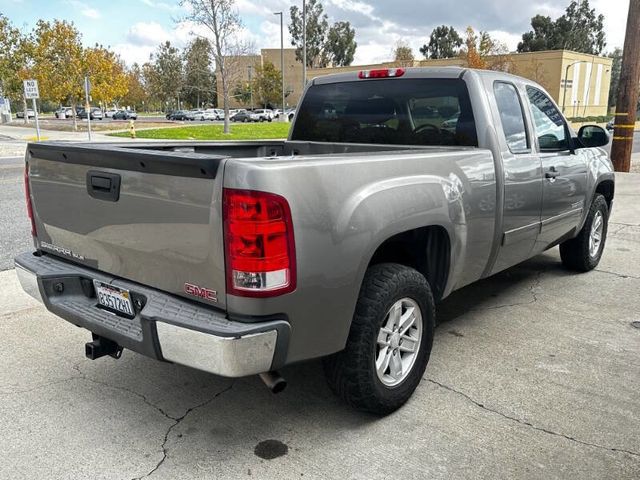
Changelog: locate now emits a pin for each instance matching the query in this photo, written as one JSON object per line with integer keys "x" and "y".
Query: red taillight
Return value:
{"x": 381, "y": 73}
{"x": 259, "y": 245}
{"x": 27, "y": 192}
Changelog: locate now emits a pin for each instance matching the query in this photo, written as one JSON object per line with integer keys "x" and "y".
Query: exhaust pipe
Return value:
{"x": 101, "y": 347}
{"x": 273, "y": 381}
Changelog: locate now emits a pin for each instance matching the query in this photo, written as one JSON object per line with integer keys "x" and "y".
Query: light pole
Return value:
{"x": 249, "y": 69}
{"x": 282, "y": 59}
{"x": 566, "y": 80}
{"x": 304, "y": 45}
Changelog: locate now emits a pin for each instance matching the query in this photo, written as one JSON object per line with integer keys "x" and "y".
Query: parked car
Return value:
{"x": 30, "y": 114}
{"x": 177, "y": 115}
{"x": 125, "y": 115}
{"x": 194, "y": 114}
{"x": 96, "y": 113}
{"x": 66, "y": 112}
{"x": 214, "y": 114}
{"x": 290, "y": 114}
{"x": 338, "y": 242}
{"x": 109, "y": 112}
{"x": 242, "y": 116}
{"x": 262, "y": 115}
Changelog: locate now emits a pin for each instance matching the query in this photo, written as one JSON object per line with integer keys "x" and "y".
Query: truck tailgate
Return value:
{"x": 147, "y": 215}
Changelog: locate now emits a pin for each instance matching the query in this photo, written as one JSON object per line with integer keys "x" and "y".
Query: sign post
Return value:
{"x": 87, "y": 107}
{"x": 31, "y": 92}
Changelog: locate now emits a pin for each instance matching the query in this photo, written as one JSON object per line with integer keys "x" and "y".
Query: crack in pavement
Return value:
{"x": 39, "y": 386}
{"x": 620, "y": 275}
{"x": 83, "y": 376}
{"x": 177, "y": 421}
{"x": 529, "y": 424}
{"x": 532, "y": 290}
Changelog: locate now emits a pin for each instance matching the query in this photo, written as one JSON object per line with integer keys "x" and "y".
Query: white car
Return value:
{"x": 262, "y": 115}
{"x": 213, "y": 114}
{"x": 109, "y": 112}
{"x": 194, "y": 114}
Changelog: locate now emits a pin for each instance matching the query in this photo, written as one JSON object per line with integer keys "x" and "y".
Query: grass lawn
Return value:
{"x": 251, "y": 131}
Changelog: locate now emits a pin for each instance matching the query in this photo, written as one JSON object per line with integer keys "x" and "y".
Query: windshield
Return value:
{"x": 393, "y": 111}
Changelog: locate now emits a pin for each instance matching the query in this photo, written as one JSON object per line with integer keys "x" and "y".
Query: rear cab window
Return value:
{"x": 512, "y": 117}
{"x": 388, "y": 111}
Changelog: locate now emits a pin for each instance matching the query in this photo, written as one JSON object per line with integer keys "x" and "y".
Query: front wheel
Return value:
{"x": 389, "y": 343}
{"x": 583, "y": 252}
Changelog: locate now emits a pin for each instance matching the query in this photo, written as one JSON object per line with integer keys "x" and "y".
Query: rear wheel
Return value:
{"x": 389, "y": 343}
{"x": 583, "y": 252}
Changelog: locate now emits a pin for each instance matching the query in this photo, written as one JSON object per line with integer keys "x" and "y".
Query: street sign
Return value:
{"x": 31, "y": 89}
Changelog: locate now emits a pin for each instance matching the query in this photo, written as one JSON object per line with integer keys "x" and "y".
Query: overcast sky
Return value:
{"x": 135, "y": 27}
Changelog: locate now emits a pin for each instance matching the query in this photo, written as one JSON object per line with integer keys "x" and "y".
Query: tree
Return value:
{"x": 616, "y": 68}
{"x": 221, "y": 20}
{"x": 267, "y": 84}
{"x": 164, "y": 73}
{"x": 317, "y": 28}
{"x": 483, "y": 52}
{"x": 106, "y": 74}
{"x": 58, "y": 62}
{"x": 340, "y": 46}
{"x": 444, "y": 42}
{"x": 200, "y": 80}
{"x": 325, "y": 46}
{"x": 14, "y": 57}
{"x": 136, "y": 92}
{"x": 580, "y": 29}
{"x": 403, "y": 55}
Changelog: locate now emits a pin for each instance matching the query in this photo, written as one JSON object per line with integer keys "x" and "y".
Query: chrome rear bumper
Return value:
{"x": 165, "y": 327}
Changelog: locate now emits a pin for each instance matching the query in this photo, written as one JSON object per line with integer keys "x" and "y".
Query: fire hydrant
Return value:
{"x": 132, "y": 129}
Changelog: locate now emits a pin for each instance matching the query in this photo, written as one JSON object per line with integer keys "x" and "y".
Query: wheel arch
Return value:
{"x": 427, "y": 249}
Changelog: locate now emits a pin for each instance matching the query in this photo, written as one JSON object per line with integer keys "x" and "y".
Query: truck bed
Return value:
{"x": 164, "y": 228}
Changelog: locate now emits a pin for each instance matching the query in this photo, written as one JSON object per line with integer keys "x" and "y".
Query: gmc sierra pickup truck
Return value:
{"x": 394, "y": 188}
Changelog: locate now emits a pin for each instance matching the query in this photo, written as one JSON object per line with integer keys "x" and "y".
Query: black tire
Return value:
{"x": 575, "y": 252}
{"x": 351, "y": 373}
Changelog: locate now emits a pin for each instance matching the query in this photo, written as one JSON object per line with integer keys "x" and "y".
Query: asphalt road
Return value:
{"x": 15, "y": 231}
{"x": 534, "y": 374}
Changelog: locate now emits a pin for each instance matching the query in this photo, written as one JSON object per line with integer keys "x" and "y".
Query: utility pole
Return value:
{"x": 304, "y": 46}
{"x": 627, "y": 103}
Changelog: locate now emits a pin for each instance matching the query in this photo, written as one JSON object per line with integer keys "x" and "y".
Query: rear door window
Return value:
{"x": 389, "y": 111}
{"x": 511, "y": 117}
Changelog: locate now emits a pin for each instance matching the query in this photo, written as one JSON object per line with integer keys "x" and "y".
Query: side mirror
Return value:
{"x": 593, "y": 136}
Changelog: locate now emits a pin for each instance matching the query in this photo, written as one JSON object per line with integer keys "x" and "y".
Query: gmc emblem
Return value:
{"x": 200, "y": 292}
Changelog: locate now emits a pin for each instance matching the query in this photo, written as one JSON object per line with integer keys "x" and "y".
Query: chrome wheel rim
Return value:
{"x": 398, "y": 342}
{"x": 595, "y": 237}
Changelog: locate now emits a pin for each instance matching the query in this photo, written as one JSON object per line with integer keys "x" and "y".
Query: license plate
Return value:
{"x": 113, "y": 298}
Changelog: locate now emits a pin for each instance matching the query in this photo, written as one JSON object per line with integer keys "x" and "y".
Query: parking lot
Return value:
{"x": 534, "y": 374}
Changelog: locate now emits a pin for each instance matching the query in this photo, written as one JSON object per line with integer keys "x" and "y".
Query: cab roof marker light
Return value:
{"x": 381, "y": 73}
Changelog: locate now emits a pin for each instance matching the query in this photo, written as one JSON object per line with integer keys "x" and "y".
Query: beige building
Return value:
{"x": 584, "y": 93}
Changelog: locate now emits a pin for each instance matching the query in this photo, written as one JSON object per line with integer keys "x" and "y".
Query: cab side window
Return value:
{"x": 511, "y": 117}
{"x": 551, "y": 129}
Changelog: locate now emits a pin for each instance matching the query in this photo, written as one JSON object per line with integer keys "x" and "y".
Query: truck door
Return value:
{"x": 564, "y": 171}
{"x": 522, "y": 178}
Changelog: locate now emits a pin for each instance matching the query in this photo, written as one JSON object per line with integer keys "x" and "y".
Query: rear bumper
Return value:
{"x": 165, "y": 327}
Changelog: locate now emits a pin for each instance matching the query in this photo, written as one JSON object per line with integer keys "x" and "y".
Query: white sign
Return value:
{"x": 31, "y": 89}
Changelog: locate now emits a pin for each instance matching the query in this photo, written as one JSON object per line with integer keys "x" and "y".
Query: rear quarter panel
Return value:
{"x": 345, "y": 206}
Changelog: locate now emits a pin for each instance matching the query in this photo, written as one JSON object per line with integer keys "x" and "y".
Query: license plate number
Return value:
{"x": 113, "y": 298}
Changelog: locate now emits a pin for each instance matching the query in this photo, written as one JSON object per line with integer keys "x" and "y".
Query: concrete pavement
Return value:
{"x": 534, "y": 374}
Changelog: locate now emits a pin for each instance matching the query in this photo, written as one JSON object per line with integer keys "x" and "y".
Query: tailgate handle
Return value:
{"x": 103, "y": 185}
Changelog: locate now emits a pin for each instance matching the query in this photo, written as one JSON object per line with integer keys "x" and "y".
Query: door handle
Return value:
{"x": 551, "y": 174}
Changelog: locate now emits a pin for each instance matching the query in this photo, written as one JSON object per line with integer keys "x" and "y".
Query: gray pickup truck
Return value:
{"x": 394, "y": 188}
